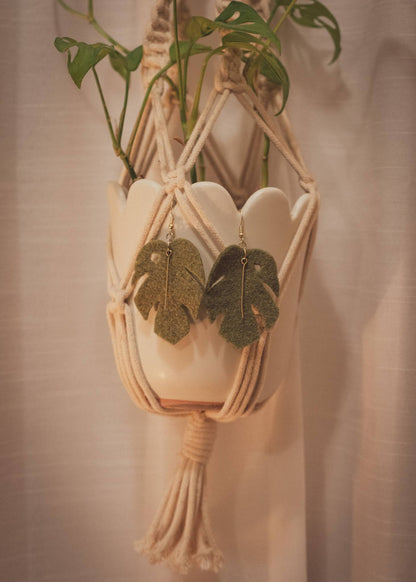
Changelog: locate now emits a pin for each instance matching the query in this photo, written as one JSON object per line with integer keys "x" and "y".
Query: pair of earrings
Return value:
{"x": 239, "y": 287}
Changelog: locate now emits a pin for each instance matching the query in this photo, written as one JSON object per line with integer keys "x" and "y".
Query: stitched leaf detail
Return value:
{"x": 239, "y": 293}
{"x": 174, "y": 286}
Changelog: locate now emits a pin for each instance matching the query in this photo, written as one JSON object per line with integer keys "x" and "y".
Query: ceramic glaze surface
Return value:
{"x": 202, "y": 366}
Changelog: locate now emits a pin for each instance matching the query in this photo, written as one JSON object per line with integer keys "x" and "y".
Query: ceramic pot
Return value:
{"x": 200, "y": 370}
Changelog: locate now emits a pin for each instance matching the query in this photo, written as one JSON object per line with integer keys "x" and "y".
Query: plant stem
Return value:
{"x": 197, "y": 97}
{"x": 194, "y": 176}
{"x": 116, "y": 146}
{"x": 107, "y": 115}
{"x": 71, "y": 10}
{"x": 265, "y": 163}
{"x": 182, "y": 96}
{"x": 201, "y": 167}
{"x": 158, "y": 75}
{"x": 185, "y": 68}
{"x": 194, "y": 117}
{"x": 91, "y": 19}
{"x": 103, "y": 33}
{"x": 276, "y": 28}
{"x": 195, "y": 111}
{"x": 266, "y": 148}
{"x": 284, "y": 16}
{"x": 173, "y": 85}
{"x": 123, "y": 111}
{"x": 272, "y": 13}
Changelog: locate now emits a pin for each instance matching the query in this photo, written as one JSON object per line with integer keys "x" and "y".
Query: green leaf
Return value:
{"x": 125, "y": 64}
{"x": 174, "y": 286}
{"x": 134, "y": 58}
{"x": 269, "y": 66}
{"x": 187, "y": 47}
{"x": 89, "y": 55}
{"x": 241, "y": 17}
{"x": 272, "y": 68}
{"x": 314, "y": 14}
{"x": 64, "y": 43}
{"x": 86, "y": 57}
{"x": 118, "y": 62}
{"x": 233, "y": 39}
{"x": 240, "y": 294}
{"x": 199, "y": 26}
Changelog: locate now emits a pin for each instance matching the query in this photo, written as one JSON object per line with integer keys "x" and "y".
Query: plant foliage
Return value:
{"x": 314, "y": 14}
{"x": 88, "y": 56}
{"x": 241, "y": 29}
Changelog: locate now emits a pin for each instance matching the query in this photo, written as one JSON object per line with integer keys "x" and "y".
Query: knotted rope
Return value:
{"x": 229, "y": 74}
{"x": 158, "y": 38}
{"x": 180, "y": 532}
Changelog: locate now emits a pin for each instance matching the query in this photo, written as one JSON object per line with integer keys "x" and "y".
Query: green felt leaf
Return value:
{"x": 242, "y": 298}
{"x": 174, "y": 286}
{"x": 241, "y": 17}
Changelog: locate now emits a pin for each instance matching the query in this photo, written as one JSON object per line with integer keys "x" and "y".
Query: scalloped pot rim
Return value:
{"x": 124, "y": 194}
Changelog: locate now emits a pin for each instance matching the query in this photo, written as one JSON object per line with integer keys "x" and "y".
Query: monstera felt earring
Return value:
{"x": 174, "y": 285}
{"x": 237, "y": 288}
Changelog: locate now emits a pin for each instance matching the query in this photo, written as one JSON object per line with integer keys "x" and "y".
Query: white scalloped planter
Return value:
{"x": 200, "y": 370}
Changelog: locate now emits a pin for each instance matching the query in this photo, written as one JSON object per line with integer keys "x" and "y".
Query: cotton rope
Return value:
{"x": 180, "y": 533}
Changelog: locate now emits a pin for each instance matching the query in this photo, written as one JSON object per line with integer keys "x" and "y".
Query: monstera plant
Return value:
{"x": 241, "y": 29}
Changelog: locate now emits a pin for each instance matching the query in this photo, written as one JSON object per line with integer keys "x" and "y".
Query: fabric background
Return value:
{"x": 319, "y": 486}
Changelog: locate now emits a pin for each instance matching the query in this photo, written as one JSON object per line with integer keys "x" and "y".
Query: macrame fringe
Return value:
{"x": 180, "y": 533}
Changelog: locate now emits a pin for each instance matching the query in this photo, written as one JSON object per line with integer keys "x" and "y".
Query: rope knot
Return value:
{"x": 229, "y": 75}
{"x": 199, "y": 438}
{"x": 307, "y": 183}
{"x": 175, "y": 179}
{"x": 118, "y": 299}
{"x": 157, "y": 41}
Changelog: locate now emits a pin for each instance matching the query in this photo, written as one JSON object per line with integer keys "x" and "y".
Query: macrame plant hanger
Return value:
{"x": 180, "y": 532}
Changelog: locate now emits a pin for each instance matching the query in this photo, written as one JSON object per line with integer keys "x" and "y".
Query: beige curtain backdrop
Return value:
{"x": 320, "y": 485}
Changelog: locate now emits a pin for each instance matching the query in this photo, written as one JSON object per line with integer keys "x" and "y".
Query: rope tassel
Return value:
{"x": 180, "y": 532}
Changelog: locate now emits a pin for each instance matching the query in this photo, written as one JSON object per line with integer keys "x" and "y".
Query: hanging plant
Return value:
{"x": 166, "y": 278}
{"x": 241, "y": 28}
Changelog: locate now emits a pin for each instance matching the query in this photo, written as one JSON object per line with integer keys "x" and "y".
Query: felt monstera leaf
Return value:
{"x": 237, "y": 289}
{"x": 174, "y": 286}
